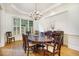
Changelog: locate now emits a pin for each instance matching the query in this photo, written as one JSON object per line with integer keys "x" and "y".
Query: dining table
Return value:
{"x": 40, "y": 41}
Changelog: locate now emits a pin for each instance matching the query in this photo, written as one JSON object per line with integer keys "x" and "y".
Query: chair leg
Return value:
{"x": 10, "y": 39}
{"x": 28, "y": 52}
{"x": 33, "y": 48}
{"x": 59, "y": 53}
{"x": 7, "y": 40}
{"x": 46, "y": 50}
{"x": 14, "y": 39}
{"x": 25, "y": 49}
{"x": 59, "y": 50}
{"x": 54, "y": 49}
{"x": 53, "y": 54}
{"x": 43, "y": 50}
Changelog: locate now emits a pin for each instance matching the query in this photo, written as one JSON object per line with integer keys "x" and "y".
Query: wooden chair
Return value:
{"x": 28, "y": 32}
{"x": 55, "y": 45}
{"x": 48, "y": 34}
{"x": 27, "y": 44}
{"x": 9, "y": 37}
{"x": 57, "y": 33}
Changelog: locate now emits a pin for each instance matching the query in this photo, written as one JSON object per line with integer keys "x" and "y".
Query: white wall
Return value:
{"x": 74, "y": 18}
{"x": 73, "y": 41}
{"x": 7, "y": 25}
{"x": 0, "y": 26}
{"x": 45, "y": 23}
{"x": 61, "y": 21}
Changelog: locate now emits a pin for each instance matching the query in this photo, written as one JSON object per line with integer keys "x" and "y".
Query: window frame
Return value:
{"x": 20, "y": 27}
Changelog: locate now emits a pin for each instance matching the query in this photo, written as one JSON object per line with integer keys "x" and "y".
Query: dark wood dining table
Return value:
{"x": 40, "y": 41}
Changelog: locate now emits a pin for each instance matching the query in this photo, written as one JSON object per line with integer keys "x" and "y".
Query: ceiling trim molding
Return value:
{"x": 43, "y": 12}
{"x": 20, "y": 11}
{"x": 52, "y": 7}
{"x": 56, "y": 13}
{"x": 59, "y": 12}
{"x": 55, "y": 6}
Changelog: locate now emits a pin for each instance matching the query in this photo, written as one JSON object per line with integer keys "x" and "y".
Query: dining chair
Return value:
{"x": 9, "y": 37}
{"x": 48, "y": 34}
{"x": 56, "y": 33}
{"x": 28, "y": 32}
{"x": 55, "y": 47}
{"x": 27, "y": 44}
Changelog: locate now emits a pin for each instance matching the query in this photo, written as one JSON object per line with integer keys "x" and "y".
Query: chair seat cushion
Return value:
{"x": 10, "y": 37}
{"x": 49, "y": 44}
{"x": 31, "y": 44}
{"x": 50, "y": 49}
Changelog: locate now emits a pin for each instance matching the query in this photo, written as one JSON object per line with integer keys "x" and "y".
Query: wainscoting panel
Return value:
{"x": 73, "y": 42}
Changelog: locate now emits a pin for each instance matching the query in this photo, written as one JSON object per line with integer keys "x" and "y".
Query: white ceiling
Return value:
{"x": 27, "y": 8}
{"x": 30, "y": 7}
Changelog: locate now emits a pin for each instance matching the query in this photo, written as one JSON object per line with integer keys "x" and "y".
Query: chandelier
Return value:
{"x": 36, "y": 15}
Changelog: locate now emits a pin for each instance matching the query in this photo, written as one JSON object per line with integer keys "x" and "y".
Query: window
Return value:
{"x": 16, "y": 27}
{"x": 21, "y": 26}
{"x": 31, "y": 26}
{"x": 24, "y": 26}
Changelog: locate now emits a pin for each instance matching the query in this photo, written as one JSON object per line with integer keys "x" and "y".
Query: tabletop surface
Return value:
{"x": 36, "y": 38}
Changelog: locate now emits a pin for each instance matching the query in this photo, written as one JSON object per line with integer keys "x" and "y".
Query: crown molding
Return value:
{"x": 18, "y": 10}
{"x": 46, "y": 13}
{"x": 51, "y": 8}
{"x": 42, "y": 12}
{"x": 55, "y": 13}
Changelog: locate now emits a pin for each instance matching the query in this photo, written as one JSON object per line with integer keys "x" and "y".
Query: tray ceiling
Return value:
{"x": 30, "y": 7}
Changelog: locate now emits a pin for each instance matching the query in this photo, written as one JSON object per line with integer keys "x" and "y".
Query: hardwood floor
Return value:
{"x": 15, "y": 49}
